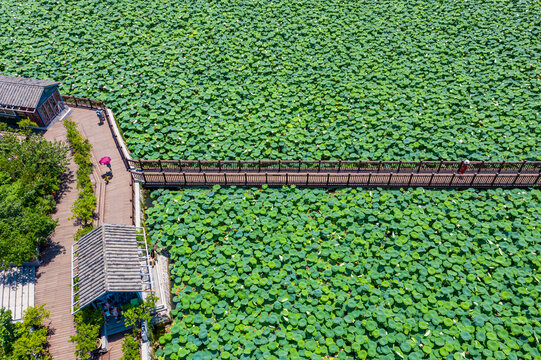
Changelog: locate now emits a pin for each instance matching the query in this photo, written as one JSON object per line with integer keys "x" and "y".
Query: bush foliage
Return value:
{"x": 30, "y": 175}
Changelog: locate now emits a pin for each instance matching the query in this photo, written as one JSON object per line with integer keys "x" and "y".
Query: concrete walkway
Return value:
{"x": 53, "y": 278}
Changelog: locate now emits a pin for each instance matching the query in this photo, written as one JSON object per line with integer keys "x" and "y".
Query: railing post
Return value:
{"x": 286, "y": 178}
{"x": 140, "y": 164}
{"x": 339, "y": 165}
{"x": 160, "y": 163}
{"x": 185, "y": 182}
{"x": 199, "y": 163}
{"x": 516, "y": 178}
{"x": 522, "y": 166}
{"x": 328, "y": 177}
{"x": 75, "y": 99}
{"x": 205, "y": 178}
{"x": 300, "y": 161}
{"x": 266, "y": 179}
{"x": 164, "y": 178}
{"x": 452, "y": 179}
{"x": 431, "y": 178}
{"x": 473, "y": 179}
{"x": 494, "y": 180}
{"x": 419, "y": 167}
{"x": 319, "y": 166}
{"x": 239, "y": 165}
{"x": 481, "y": 167}
{"x": 379, "y": 166}
{"x": 179, "y": 165}
{"x": 390, "y": 177}
{"x": 411, "y": 177}
{"x": 279, "y": 165}
{"x": 307, "y": 174}
{"x": 259, "y": 166}
{"x": 399, "y": 166}
{"x": 501, "y": 166}
{"x": 439, "y": 166}
{"x": 360, "y": 164}
{"x": 144, "y": 177}
{"x": 245, "y": 179}
{"x": 369, "y": 177}
{"x": 219, "y": 166}
{"x": 349, "y": 177}
{"x": 225, "y": 178}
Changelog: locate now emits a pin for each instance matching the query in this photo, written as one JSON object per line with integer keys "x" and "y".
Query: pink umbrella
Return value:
{"x": 106, "y": 160}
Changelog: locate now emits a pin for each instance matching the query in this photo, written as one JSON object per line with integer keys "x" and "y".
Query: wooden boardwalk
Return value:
{"x": 54, "y": 274}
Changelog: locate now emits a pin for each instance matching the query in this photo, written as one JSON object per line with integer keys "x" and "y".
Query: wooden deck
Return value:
{"x": 54, "y": 274}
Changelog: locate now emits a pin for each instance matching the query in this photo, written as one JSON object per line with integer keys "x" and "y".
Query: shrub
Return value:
{"x": 130, "y": 348}
{"x": 88, "y": 322}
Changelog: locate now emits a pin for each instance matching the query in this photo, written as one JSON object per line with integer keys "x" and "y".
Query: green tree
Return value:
{"x": 88, "y": 322}
{"x": 134, "y": 315}
{"x": 130, "y": 348}
{"x": 7, "y": 333}
{"x": 32, "y": 335}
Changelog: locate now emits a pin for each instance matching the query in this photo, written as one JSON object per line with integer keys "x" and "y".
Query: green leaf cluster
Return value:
{"x": 310, "y": 274}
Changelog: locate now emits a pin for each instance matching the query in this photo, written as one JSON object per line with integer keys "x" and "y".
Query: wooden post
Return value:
{"x": 245, "y": 179}
{"x": 349, "y": 177}
{"x": 239, "y": 165}
{"x": 481, "y": 167}
{"x": 339, "y": 165}
{"x": 287, "y": 178}
{"x": 431, "y": 178}
{"x": 75, "y": 99}
{"x": 219, "y": 166}
{"x": 419, "y": 167}
{"x": 199, "y": 163}
{"x": 409, "y": 182}
{"x": 259, "y": 166}
{"x": 205, "y": 178}
{"x": 300, "y": 162}
{"x": 160, "y": 163}
{"x": 266, "y": 179}
{"x": 399, "y": 166}
{"x": 279, "y": 165}
{"x": 319, "y": 166}
{"x": 473, "y": 179}
{"x": 369, "y": 177}
{"x": 179, "y": 165}
{"x": 390, "y": 177}
{"x": 307, "y": 174}
{"x": 452, "y": 178}
{"x": 185, "y": 182}
{"x": 360, "y": 164}
{"x": 225, "y": 177}
{"x": 140, "y": 164}
{"x": 379, "y": 166}
{"x": 164, "y": 178}
{"x": 328, "y": 176}
{"x": 144, "y": 177}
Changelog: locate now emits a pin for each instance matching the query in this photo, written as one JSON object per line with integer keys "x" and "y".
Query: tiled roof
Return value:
{"x": 22, "y": 92}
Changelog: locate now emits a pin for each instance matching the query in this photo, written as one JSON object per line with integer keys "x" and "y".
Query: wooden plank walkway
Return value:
{"x": 54, "y": 274}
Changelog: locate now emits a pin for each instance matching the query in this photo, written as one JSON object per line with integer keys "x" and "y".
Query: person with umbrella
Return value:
{"x": 106, "y": 160}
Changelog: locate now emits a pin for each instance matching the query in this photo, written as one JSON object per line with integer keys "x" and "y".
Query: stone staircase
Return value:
{"x": 17, "y": 289}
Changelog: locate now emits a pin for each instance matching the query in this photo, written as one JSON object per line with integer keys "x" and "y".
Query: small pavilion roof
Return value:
{"x": 109, "y": 259}
{"x": 22, "y": 92}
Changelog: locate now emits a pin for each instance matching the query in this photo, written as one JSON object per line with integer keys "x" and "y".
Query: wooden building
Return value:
{"x": 38, "y": 100}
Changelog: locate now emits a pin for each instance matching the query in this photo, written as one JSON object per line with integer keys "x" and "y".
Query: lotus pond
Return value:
{"x": 352, "y": 274}
{"x": 311, "y": 79}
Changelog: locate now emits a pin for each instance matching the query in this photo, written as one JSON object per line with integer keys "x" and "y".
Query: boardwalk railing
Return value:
{"x": 388, "y": 179}
{"x": 325, "y": 166}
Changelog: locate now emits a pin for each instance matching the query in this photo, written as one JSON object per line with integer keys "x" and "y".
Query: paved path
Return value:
{"x": 54, "y": 275}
